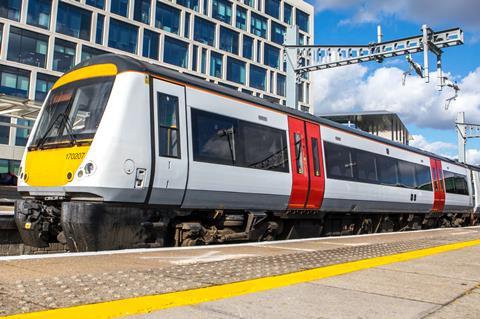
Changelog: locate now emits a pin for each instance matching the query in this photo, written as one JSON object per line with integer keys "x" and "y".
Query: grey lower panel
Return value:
{"x": 349, "y": 205}
{"x": 165, "y": 196}
{"x": 458, "y": 209}
{"x": 202, "y": 199}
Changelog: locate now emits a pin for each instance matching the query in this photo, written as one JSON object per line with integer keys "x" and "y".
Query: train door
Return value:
{"x": 307, "y": 165}
{"x": 476, "y": 190}
{"x": 315, "y": 164}
{"x": 438, "y": 185}
{"x": 170, "y": 144}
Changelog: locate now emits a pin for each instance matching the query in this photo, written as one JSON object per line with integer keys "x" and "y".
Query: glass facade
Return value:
{"x": 287, "y": 13}
{"x": 272, "y": 8}
{"x": 257, "y": 77}
{"x": 191, "y": 4}
{"x": 204, "y": 31}
{"x": 175, "y": 52}
{"x": 44, "y": 83}
{"x": 150, "y": 44}
{"x": 228, "y": 40}
{"x": 119, "y": 7}
{"x": 73, "y": 21}
{"x": 167, "y": 18}
{"x": 4, "y": 130}
{"x": 141, "y": 11}
{"x": 302, "y": 20}
{"x": 122, "y": 36}
{"x": 271, "y": 56}
{"x": 247, "y": 47}
{"x": 14, "y": 81}
{"x": 63, "y": 55}
{"x": 96, "y": 3}
{"x": 222, "y": 10}
{"x": 23, "y": 131}
{"x": 235, "y": 70}
{"x": 277, "y": 33}
{"x": 27, "y": 47}
{"x": 216, "y": 65}
{"x": 39, "y": 13}
{"x": 241, "y": 19}
{"x": 258, "y": 25}
{"x": 99, "y": 30}
{"x": 88, "y": 53}
{"x": 10, "y": 9}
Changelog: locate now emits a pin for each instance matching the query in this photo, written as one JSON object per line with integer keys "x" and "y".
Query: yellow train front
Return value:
{"x": 88, "y": 147}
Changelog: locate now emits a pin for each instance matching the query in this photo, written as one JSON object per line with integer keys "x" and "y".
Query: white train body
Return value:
{"x": 151, "y": 149}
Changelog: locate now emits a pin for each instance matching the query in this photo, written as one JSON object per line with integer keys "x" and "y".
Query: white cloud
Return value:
{"x": 473, "y": 156}
{"x": 352, "y": 88}
{"x": 437, "y": 147}
{"x": 460, "y": 12}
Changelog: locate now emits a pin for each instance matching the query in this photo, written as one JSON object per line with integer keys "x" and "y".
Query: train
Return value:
{"x": 129, "y": 154}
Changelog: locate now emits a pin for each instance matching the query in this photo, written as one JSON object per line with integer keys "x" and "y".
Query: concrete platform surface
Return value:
{"x": 437, "y": 286}
{"x": 396, "y": 291}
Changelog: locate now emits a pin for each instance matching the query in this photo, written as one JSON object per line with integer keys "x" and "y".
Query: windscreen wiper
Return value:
{"x": 229, "y": 133}
{"x": 68, "y": 128}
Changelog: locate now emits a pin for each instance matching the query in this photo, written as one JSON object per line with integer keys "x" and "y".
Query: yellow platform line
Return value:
{"x": 146, "y": 304}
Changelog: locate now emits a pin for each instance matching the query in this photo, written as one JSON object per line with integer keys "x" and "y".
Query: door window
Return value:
{"x": 168, "y": 135}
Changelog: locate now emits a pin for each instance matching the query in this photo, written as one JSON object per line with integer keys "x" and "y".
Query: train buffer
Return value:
{"x": 423, "y": 274}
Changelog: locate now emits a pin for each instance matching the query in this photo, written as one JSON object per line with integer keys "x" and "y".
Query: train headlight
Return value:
{"x": 89, "y": 168}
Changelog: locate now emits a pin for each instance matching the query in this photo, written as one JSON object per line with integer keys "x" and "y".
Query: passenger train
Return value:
{"x": 129, "y": 154}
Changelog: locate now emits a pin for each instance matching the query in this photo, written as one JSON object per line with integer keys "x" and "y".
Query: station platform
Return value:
{"x": 423, "y": 274}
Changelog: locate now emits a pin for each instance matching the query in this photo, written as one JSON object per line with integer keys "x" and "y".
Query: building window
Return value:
{"x": 150, "y": 44}
{"x": 258, "y": 25}
{"x": 168, "y": 137}
{"x": 257, "y": 77}
{"x": 235, "y": 70}
{"x": 272, "y": 8}
{"x": 287, "y": 13}
{"x": 167, "y": 18}
{"x": 99, "y": 31}
{"x": 63, "y": 55}
{"x": 204, "y": 31}
{"x": 300, "y": 92}
{"x": 14, "y": 81}
{"x": 281, "y": 84}
{"x": 175, "y": 52}
{"x": 39, "y": 13}
{"x": 277, "y": 33}
{"x": 216, "y": 64}
{"x": 194, "y": 58}
{"x": 205, "y": 7}
{"x": 27, "y": 47}
{"x": 141, "y": 11}
{"x": 43, "y": 85}
{"x": 222, "y": 10}
{"x": 192, "y": 4}
{"x": 203, "y": 63}
{"x": 122, "y": 36}
{"x": 302, "y": 20}
{"x": 10, "y": 9}
{"x": 228, "y": 40}
{"x": 186, "y": 24}
{"x": 241, "y": 18}
{"x": 119, "y": 7}
{"x": 250, "y": 3}
{"x": 88, "y": 53}
{"x": 271, "y": 56}
{"x": 4, "y": 135}
{"x": 23, "y": 131}
{"x": 73, "y": 21}
{"x": 247, "y": 47}
{"x": 96, "y": 3}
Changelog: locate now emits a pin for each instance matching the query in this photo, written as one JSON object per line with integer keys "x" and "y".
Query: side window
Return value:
{"x": 387, "y": 170}
{"x": 298, "y": 152}
{"x": 461, "y": 185}
{"x": 449, "y": 182}
{"x": 168, "y": 137}
{"x": 316, "y": 158}
{"x": 423, "y": 177}
{"x": 214, "y": 138}
{"x": 338, "y": 161}
{"x": 406, "y": 174}
{"x": 263, "y": 147}
{"x": 366, "y": 166}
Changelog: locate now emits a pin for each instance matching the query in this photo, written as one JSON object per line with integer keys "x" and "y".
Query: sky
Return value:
{"x": 374, "y": 86}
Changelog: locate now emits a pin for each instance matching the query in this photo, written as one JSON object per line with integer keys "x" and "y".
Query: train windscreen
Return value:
{"x": 73, "y": 112}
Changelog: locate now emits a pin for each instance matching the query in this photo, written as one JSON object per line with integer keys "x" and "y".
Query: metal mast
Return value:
{"x": 302, "y": 59}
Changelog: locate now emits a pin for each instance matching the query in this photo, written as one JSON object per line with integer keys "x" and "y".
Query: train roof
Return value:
{"x": 126, "y": 63}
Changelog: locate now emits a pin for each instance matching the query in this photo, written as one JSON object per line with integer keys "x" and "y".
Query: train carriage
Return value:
{"x": 129, "y": 154}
